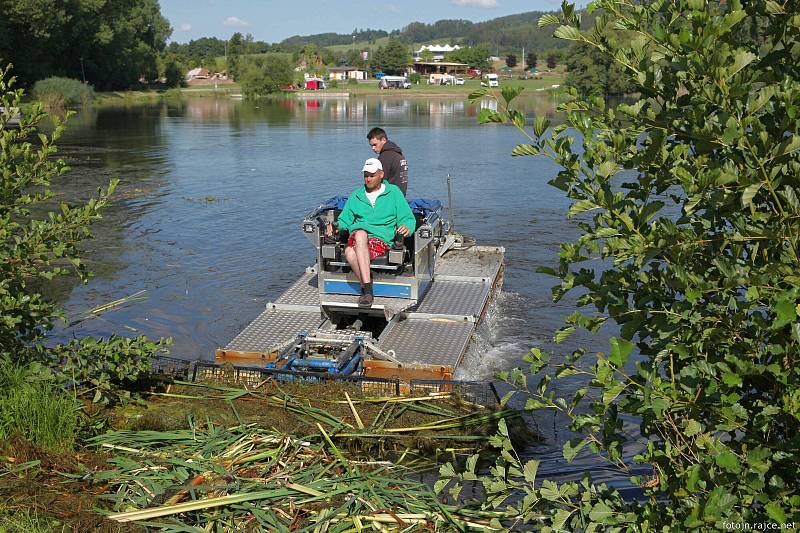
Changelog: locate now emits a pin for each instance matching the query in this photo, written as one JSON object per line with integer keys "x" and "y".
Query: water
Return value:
{"x": 206, "y": 219}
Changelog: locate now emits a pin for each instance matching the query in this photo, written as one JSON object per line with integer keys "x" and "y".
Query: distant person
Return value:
{"x": 373, "y": 215}
{"x": 391, "y": 157}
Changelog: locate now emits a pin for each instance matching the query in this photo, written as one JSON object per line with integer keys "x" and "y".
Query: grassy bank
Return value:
{"x": 368, "y": 88}
{"x": 271, "y": 457}
{"x": 132, "y": 97}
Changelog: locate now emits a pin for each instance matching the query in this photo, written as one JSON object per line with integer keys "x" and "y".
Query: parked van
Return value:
{"x": 490, "y": 80}
{"x": 394, "y": 82}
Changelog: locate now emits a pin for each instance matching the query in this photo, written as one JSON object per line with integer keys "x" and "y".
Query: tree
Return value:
{"x": 173, "y": 73}
{"x": 394, "y": 58}
{"x": 40, "y": 240}
{"x": 552, "y": 61}
{"x": 592, "y": 72}
{"x": 511, "y": 60}
{"x": 112, "y": 46}
{"x": 426, "y": 56}
{"x": 265, "y": 75}
{"x": 530, "y": 60}
{"x": 688, "y": 212}
{"x": 235, "y": 51}
{"x": 474, "y": 56}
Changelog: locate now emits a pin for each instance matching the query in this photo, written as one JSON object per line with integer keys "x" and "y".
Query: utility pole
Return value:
{"x": 523, "y": 58}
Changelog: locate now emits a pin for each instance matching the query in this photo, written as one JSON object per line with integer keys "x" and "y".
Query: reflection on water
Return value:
{"x": 213, "y": 192}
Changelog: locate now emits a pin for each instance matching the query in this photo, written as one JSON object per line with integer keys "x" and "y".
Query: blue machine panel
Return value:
{"x": 388, "y": 290}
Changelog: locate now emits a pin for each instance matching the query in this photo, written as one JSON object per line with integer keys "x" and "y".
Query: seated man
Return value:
{"x": 373, "y": 215}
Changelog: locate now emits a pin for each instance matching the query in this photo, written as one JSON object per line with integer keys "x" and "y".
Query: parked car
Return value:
{"x": 459, "y": 81}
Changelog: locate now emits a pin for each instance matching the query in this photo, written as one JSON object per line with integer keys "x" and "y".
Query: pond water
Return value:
{"x": 206, "y": 219}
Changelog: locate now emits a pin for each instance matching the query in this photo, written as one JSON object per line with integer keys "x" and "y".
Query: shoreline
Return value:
{"x": 537, "y": 87}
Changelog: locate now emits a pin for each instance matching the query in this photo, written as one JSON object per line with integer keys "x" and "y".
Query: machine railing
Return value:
{"x": 478, "y": 392}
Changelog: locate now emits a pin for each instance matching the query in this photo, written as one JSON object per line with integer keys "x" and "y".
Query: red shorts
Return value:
{"x": 376, "y": 246}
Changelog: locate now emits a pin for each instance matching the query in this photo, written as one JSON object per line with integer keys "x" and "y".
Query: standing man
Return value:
{"x": 395, "y": 166}
{"x": 373, "y": 215}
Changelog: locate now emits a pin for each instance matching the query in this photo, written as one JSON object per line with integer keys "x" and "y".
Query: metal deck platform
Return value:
{"x": 436, "y": 331}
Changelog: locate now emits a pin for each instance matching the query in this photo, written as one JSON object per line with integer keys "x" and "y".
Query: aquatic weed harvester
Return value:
{"x": 431, "y": 289}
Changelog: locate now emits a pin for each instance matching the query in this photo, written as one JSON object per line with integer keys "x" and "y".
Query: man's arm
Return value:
{"x": 346, "y": 217}
{"x": 405, "y": 217}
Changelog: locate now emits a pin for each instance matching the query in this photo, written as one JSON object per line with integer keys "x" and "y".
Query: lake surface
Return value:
{"x": 207, "y": 219}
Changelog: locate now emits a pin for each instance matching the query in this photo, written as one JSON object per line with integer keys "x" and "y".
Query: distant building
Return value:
{"x": 198, "y": 74}
{"x": 438, "y": 51}
{"x": 314, "y": 84}
{"x": 426, "y": 68}
{"x": 346, "y": 73}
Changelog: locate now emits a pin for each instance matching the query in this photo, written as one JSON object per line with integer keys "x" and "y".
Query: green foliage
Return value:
{"x": 474, "y": 56}
{"x": 592, "y": 72}
{"x": 114, "y": 43}
{"x": 39, "y": 242}
{"x": 392, "y": 58}
{"x": 264, "y": 75}
{"x": 58, "y": 93}
{"x": 414, "y": 78}
{"x": 36, "y": 409}
{"x": 689, "y": 199}
{"x": 173, "y": 71}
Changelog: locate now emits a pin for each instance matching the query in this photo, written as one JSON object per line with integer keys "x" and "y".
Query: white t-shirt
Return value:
{"x": 372, "y": 196}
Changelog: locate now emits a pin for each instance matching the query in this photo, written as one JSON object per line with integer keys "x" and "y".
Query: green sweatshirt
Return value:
{"x": 391, "y": 211}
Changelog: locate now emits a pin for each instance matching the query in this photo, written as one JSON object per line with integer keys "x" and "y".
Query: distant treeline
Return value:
{"x": 506, "y": 33}
{"x": 333, "y": 39}
{"x": 109, "y": 44}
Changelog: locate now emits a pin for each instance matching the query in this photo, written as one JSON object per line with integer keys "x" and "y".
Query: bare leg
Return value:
{"x": 362, "y": 255}
{"x": 350, "y": 255}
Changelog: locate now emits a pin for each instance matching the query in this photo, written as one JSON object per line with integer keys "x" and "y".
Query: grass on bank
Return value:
{"x": 36, "y": 410}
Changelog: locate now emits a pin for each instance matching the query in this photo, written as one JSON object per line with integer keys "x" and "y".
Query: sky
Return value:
{"x": 273, "y": 20}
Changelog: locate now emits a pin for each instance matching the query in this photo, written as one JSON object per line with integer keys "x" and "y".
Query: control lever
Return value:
{"x": 398, "y": 241}
{"x": 397, "y": 252}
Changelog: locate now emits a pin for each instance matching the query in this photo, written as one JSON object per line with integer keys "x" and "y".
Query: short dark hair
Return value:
{"x": 376, "y": 133}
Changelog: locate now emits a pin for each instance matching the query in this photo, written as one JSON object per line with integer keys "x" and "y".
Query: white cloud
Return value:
{"x": 235, "y": 21}
{"x": 185, "y": 27}
{"x": 475, "y": 3}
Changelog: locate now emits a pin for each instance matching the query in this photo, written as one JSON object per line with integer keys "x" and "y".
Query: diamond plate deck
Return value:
{"x": 304, "y": 291}
{"x": 476, "y": 262}
{"x": 274, "y": 327}
{"x": 454, "y": 298}
{"x": 429, "y": 342}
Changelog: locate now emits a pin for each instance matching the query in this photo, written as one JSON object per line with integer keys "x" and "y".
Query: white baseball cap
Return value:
{"x": 372, "y": 165}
